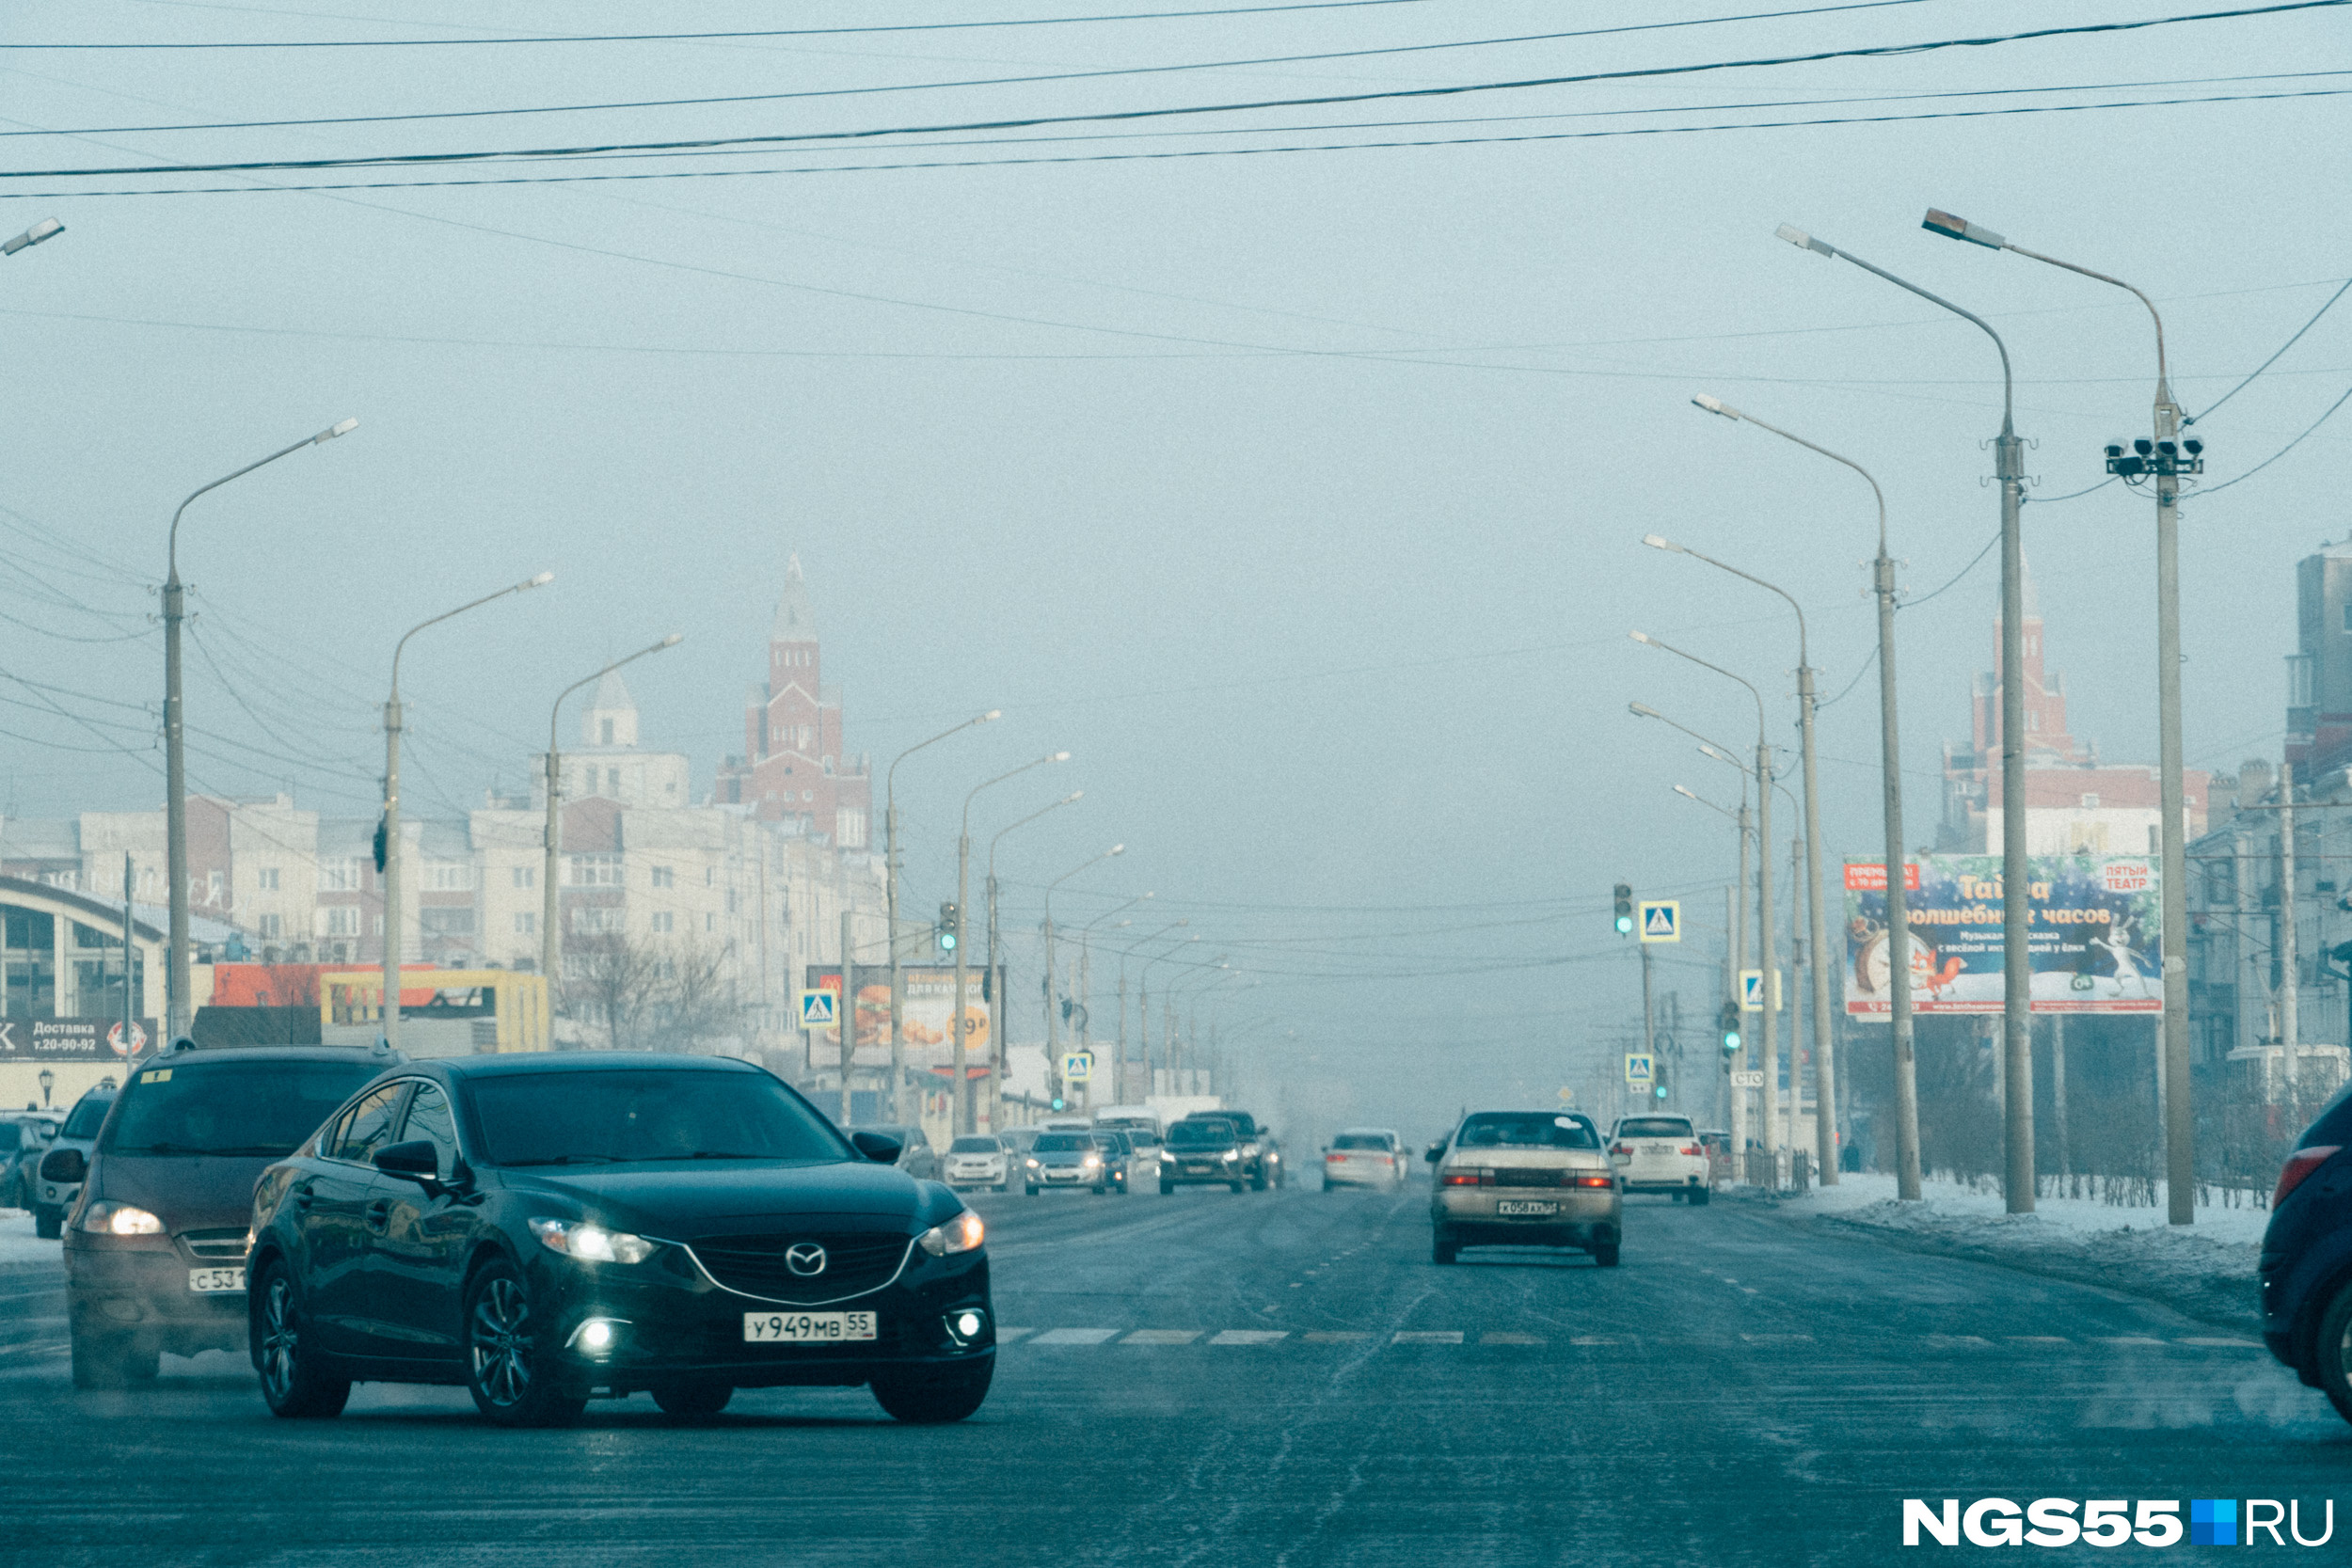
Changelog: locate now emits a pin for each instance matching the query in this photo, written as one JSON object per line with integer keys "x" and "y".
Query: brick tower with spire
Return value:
{"x": 795, "y": 767}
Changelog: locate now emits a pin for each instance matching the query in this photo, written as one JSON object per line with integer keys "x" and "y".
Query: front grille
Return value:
{"x": 1508, "y": 1177}
{"x": 213, "y": 1243}
{"x": 855, "y": 1262}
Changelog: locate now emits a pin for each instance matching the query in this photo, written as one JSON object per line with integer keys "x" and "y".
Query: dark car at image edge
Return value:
{"x": 2305, "y": 1267}
{"x": 541, "y": 1227}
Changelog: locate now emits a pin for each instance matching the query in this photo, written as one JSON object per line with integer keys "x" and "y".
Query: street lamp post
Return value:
{"x": 1891, "y": 794}
{"x": 1086, "y": 940}
{"x": 1825, "y": 1050}
{"x": 1763, "y": 884}
{"x": 1217, "y": 971}
{"x": 1052, "y": 1010}
{"x": 388, "y": 1008}
{"x": 2009, "y": 467}
{"x": 966, "y": 1110}
{"x": 1143, "y": 998}
{"x": 551, "y": 925}
{"x": 175, "y": 749}
{"x": 1000, "y": 1008}
{"x": 2167, "y": 459}
{"x": 890, "y": 890}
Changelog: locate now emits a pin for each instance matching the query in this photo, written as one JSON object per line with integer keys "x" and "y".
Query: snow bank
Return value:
{"x": 2205, "y": 1270}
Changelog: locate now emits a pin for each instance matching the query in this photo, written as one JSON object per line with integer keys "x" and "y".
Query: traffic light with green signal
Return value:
{"x": 1729, "y": 1021}
{"x": 946, "y": 928}
{"x": 1658, "y": 1077}
{"x": 1625, "y": 909}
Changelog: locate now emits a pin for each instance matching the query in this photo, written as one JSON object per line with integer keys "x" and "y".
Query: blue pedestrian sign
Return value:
{"x": 819, "y": 1009}
{"x": 1078, "y": 1067}
{"x": 1639, "y": 1069}
{"x": 1662, "y": 920}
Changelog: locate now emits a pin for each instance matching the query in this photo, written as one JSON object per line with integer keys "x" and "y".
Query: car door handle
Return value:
{"x": 299, "y": 1198}
{"x": 380, "y": 1215}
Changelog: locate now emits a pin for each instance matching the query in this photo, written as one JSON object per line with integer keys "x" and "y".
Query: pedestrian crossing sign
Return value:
{"x": 1662, "y": 920}
{"x": 1639, "y": 1069}
{"x": 819, "y": 1009}
{"x": 1078, "y": 1067}
{"x": 1751, "y": 991}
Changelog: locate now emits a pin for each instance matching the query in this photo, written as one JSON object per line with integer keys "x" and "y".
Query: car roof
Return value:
{"x": 1378, "y": 1132}
{"x": 512, "y": 1064}
{"x": 361, "y": 1054}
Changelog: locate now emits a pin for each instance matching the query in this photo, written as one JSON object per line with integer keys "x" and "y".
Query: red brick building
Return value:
{"x": 796, "y": 768}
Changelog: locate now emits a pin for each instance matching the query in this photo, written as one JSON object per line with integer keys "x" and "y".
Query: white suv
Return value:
{"x": 1659, "y": 1154}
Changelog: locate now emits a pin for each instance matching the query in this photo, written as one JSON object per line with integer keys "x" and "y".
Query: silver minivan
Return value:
{"x": 1525, "y": 1178}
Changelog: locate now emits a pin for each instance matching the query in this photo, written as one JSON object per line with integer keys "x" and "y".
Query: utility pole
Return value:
{"x": 1125, "y": 1095}
{"x": 890, "y": 889}
{"x": 2290, "y": 1023}
{"x": 1650, "y": 1032}
{"x": 130, "y": 960}
{"x": 845, "y": 1010}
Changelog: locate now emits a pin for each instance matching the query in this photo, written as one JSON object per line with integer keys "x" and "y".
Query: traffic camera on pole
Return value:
{"x": 1728, "y": 1021}
{"x": 1625, "y": 909}
{"x": 946, "y": 928}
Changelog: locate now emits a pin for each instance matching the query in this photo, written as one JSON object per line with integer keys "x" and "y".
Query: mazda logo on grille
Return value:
{"x": 805, "y": 1259}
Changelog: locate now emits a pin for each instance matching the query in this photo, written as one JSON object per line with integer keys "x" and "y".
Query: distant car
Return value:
{"x": 1259, "y": 1150}
{"x": 542, "y": 1226}
{"x": 978, "y": 1160}
{"x": 2305, "y": 1268}
{"x": 1019, "y": 1139}
{"x": 1199, "y": 1152}
{"x": 1365, "y": 1157}
{"x": 1661, "y": 1154}
{"x": 58, "y": 1179}
{"x": 1120, "y": 1160}
{"x": 1525, "y": 1178}
{"x": 1064, "y": 1158}
{"x": 155, "y": 1258}
{"x": 915, "y": 1155}
{"x": 23, "y": 1141}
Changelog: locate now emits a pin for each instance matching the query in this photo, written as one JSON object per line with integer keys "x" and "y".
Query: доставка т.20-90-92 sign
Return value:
{"x": 2092, "y": 935}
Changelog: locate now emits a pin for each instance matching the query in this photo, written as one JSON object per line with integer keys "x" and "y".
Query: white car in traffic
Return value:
{"x": 978, "y": 1160}
{"x": 1366, "y": 1157}
{"x": 1659, "y": 1154}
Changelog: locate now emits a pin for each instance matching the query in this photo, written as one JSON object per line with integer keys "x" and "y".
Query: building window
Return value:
{"x": 526, "y": 924}
{"x": 446, "y": 920}
{"x": 270, "y": 927}
{"x": 710, "y": 922}
{"x": 343, "y": 874}
{"x": 664, "y": 877}
{"x": 2090, "y": 802}
{"x": 710, "y": 876}
{"x": 526, "y": 876}
{"x": 848, "y": 827}
{"x": 604, "y": 732}
{"x": 448, "y": 876}
{"x": 595, "y": 870}
{"x": 663, "y": 920}
{"x": 343, "y": 920}
{"x": 266, "y": 878}
{"x": 612, "y": 781}
{"x": 2347, "y": 615}
{"x": 597, "y": 922}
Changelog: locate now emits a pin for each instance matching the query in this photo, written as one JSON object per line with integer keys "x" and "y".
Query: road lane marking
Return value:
{"x": 1600, "y": 1340}
{"x": 1973, "y": 1340}
{"x": 1006, "y": 1336}
{"x": 1428, "y": 1336}
{"x": 2210, "y": 1343}
{"x": 1335, "y": 1336}
{"x": 1073, "y": 1335}
{"x": 2124, "y": 1340}
{"x": 1162, "y": 1336}
{"x": 1509, "y": 1340}
{"x": 1777, "y": 1338}
{"x": 2040, "y": 1339}
{"x": 1250, "y": 1335}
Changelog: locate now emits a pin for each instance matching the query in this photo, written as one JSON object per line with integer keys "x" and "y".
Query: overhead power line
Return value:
{"x": 1120, "y": 115}
{"x": 2272, "y": 360}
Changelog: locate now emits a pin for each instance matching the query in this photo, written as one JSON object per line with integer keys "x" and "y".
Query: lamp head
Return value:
{"x": 1059, "y": 757}
{"x": 1716, "y": 406}
{"x": 1953, "y": 227}
{"x": 45, "y": 228}
{"x": 1684, "y": 793}
{"x": 992, "y": 713}
{"x": 539, "y": 581}
{"x": 1802, "y": 240}
{"x": 1642, "y": 710}
{"x": 1114, "y": 850}
{"x": 671, "y": 641}
{"x": 1072, "y": 795}
{"x": 346, "y": 428}
{"x": 1657, "y": 542}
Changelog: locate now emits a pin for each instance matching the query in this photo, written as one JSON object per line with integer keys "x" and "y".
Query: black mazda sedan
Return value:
{"x": 543, "y": 1228}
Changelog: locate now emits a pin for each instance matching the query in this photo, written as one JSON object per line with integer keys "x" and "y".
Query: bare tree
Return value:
{"x": 608, "y": 985}
{"x": 642, "y": 995}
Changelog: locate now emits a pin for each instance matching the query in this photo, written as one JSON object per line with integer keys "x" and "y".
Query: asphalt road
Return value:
{"x": 1268, "y": 1378}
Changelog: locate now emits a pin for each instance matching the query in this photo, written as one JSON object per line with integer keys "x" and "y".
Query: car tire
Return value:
{"x": 1326, "y": 1183}
{"x": 1605, "y": 1255}
{"x": 110, "y": 1360}
{"x": 1700, "y": 1196}
{"x": 292, "y": 1383}
{"x": 933, "y": 1399}
{"x": 1004, "y": 1186}
{"x": 513, "y": 1379}
{"x": 1257, "y": 1182}
{"x": 1098, "y": 1191}
{"x": 1167, "y": 1187}
{"x": 1442, "y": 1251}
{"x": 1236, "y": 1185}
{"x": 1033, "y": 1189}
{"x": 2332, "y": 1350}
{"x": 48, "y": 1223}
{"x": 694, "y": 1399}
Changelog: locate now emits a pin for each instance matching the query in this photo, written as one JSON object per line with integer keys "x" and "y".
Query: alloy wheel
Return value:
{"x": 281, "y": 1339}
{"x": 501, "y": 1342}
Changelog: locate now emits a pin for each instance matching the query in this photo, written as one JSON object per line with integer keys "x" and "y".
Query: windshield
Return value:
{"x": 606, "y": 1117}
{"x": 12, "y": 1137}
{"x": 1200, "y": 1134}
{"x": 1063, "y": 1143}
{"x": 975, "y": 1145}
{"x": 1654, "y": 1127}
{"x": 1359, "y": 1140}
{"x": 88, "y": 1114}
{"x": 234, "y": 1108}
{"x": 1526, "y": 1130}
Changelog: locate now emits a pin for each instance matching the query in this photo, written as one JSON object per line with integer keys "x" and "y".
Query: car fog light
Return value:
{"x": 969, "y": 1323}
{"x": 965, "y": 1325}
{"x": 596, "y": 1336}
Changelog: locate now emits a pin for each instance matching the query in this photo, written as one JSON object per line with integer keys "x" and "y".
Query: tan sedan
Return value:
{"x": 1525, "y": 1178}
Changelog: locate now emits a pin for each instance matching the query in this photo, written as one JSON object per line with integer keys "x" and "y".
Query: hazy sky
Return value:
{"x": 1298, "y": 495}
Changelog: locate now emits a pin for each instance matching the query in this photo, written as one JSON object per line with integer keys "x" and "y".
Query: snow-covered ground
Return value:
{"x": 17, "y": 1242}
{"x": 2205, "y": 1268}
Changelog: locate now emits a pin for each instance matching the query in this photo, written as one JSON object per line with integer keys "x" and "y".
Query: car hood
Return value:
{"x": 187, "y": 1192}
{"x": 736, "y": 1196}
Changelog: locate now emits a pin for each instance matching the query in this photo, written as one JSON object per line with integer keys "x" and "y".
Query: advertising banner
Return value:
{"x": 930, "y": 1003}
{"x": 74, "y": 1040}
{"x": 2092, "y": 935}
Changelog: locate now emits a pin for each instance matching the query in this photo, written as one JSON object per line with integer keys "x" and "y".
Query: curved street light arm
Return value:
{"x": 1648, "y": 641}
{"x": 1799, "y": 237}
{"x": 401, "y": 646}
{"x": 172, "y": 546}
{"x": 1716, "y": 406}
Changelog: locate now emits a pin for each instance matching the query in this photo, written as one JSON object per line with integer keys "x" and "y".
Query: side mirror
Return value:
{"x": 417, "y": 1160}
{"x": 883, "y": 1150}
{"x": 64, "y": 1164}
{"x": 1436, "y": 1153}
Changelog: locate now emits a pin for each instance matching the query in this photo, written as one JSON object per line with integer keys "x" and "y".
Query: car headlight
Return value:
{"x": 591, "y": 1244}
{"x": 960, "y": 1234}
{"x": 119, "y": 1219}
{"x": 1093, "y": 1160}
{"x": 1233, "y": 1154}
{"x": 1033, "y": 1164}
{"x": 1251, "y": 1150}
